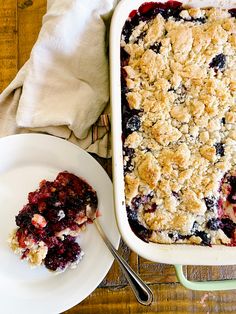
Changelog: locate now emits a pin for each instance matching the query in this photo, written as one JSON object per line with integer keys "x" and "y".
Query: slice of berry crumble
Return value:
{"x": 49, "y": 223}
{"x": 178, "y": 92}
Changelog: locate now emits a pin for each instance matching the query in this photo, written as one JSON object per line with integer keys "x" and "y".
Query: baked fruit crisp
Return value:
{"x": 49, "y": 223}
{"x": 178, "y": 81}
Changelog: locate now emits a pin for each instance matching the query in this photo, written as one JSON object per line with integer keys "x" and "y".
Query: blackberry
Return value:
{"x": 133, "y": 124}
{"x": 223, "y": 121}
{"x": 62, "y": 254}
{"x": 195, "y": 226}
{"x": 232, "y": 196}
{"x": 206, "y": 239}
{"x": 232, "y": 12}
{"x": 128, "y": 151}
{"x": 201, "y": 20}
{"x": 210, "y": 203}
{"x": 142, "y": 232}
{"x": 220, "y": 151}
{"x": 218, "y": 62}
{"x": 176, "y": 195}
{"x": 214, "y": 224}
{"x": 155, "y": 47}
{"x": 152, "y": 208}
{"x": 138, "y": 200}
{"x": 228, "y": 226}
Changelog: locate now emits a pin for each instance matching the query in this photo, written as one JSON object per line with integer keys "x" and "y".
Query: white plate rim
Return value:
{"x": 76, "y": 298}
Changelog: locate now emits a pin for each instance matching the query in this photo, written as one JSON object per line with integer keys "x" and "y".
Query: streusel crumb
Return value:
{"x": 179, "y": 115}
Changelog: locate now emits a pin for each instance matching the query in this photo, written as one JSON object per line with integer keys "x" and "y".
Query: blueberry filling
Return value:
{"x": 155, "y": 47}
{"x": 214, "y": 224}
{"x": 133, "y": 123}
{"x": 128, "y": 153}
{"x": 206, "y": 239}
{"x": 195, "y": 226}
{"x": 232, "y": 195}
{"x": 220, "y": 151}
{"x": 232, "y": 12}
{"x": 151, "y": 209}
{"x": 66, "y": 251}
{"x": 176, "y": 195}
{"x": 124, "y": 56}
{"x": 228, "y": 226}
{"x": 148, "y": 11}
{"x": 218, "y": 62}
{"x": 141, "y": 36}
{"x": 178, "y": 236}
{"x": 139, "y": 200}
{"x": 129, "y": 124}
{"x": 52, "y": 208}
{"x": 211, "y": 203}
{"x": 201, "y": 20}
{"x": 142, "y": 232}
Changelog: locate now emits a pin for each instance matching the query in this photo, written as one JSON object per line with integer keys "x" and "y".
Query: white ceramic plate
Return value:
{"x": 24, "y": 161}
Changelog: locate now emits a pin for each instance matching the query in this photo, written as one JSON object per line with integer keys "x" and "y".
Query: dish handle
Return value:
{"x": 203, "y": 285}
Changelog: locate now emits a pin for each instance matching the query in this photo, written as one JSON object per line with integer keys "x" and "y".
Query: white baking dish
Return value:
{"x": 175, "y": 253}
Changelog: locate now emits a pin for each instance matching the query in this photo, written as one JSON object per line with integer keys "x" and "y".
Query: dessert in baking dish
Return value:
{"x": 49, "y": 223}
{"x": 178, "y": 81}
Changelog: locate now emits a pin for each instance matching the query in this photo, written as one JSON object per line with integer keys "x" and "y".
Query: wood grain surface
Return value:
{"x": 20, "y": 22}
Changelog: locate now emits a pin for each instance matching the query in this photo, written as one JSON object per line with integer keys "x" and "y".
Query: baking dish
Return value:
{"x": 177, "y": 254}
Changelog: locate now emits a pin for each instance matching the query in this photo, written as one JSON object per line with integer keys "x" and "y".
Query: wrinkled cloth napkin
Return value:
{"x": 63, "y": 88}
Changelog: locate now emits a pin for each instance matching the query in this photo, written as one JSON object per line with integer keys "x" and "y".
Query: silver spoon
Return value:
{"x": 141, "y": 291}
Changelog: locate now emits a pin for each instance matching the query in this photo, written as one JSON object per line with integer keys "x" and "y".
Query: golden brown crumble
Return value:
{"x": 187, "y": 108}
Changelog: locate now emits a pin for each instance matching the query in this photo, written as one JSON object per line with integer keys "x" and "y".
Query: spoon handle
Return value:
{"x": 142, "y": 292}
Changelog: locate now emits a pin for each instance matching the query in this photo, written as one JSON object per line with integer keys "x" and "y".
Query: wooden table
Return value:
{"x": 20, "y": 22}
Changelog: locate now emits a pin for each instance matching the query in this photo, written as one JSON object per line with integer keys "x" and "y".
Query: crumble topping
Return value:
{"x": 49, "y": 223}
{"x": 179, "y": 112}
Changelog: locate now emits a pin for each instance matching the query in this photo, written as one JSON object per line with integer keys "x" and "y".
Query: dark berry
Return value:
{"x": 142, "y": 232}
{"x": 232, "y": 196}
{"x": 228, "y": 226}
{"x": 210, "y": 203}
{"x": 155, "y": 47}
{"x": 232, "y": 181}
{"x": 141, "y": 36}
{"x": 62, "y": 254}
{"x": 213, "y": 224}
{"x": 195, "y": 226}
{"x": 218, "y": 62}
{"x": 201, "y": 20}
{"x": 133, "y": 124}
{"x": 124, "y": 56}
{"x": 52, "y": 215}
{"x": 128, "y": 152}
{"x": 91, "y": 198}
{"x": 220, "y": 151}
{"x": 232, "y": 12}
{"x": 23, "y": 219}
{"x": 152, "y": 208}
{"x": 206, "y": 239}
{"x": 139, "y": 200}
{"x": 176, "y": 195}
{"x": 182, "y": 236}
{"x": 171, "y": 12}
{"x": 223, "y": 121}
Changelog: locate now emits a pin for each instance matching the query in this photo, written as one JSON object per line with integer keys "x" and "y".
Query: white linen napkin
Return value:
{"x": 63, "y": 88}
